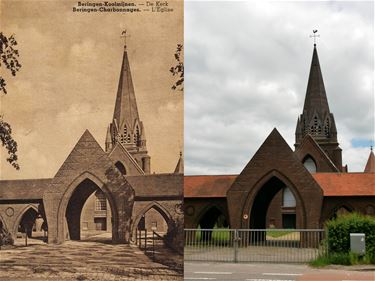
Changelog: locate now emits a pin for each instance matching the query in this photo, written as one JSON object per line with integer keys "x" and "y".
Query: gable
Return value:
{"x": 309, "y": 147}
{"x": 120, "y": 153}
{"x": 86, "y": 156}
{"x": 273, "y": 158}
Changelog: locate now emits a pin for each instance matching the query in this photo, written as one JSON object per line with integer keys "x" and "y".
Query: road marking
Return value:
{"x": 199, "y": 278}
{"x": 267, "y": 280}
{"x": 283, "y": 274}
{"x": 204, "y": 272}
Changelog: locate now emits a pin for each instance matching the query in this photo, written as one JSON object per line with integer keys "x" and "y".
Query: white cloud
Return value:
{"x": 247, "y": 67}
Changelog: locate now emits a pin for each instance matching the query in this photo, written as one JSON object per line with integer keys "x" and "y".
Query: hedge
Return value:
{"x": 340, "y": 228}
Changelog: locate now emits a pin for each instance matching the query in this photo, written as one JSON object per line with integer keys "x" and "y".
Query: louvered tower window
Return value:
{"x": 326, "y": 128}
{"x": 122, "y": 138}
{"x": 137, "y": 136}
{"x": 315, "y": 128}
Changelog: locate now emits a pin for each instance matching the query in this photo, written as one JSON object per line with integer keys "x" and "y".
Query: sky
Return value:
{"x": 69, "y": 77}
{"x": 246, "y": 72}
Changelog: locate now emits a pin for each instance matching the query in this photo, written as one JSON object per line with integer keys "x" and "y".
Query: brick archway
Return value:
{"x": 206, "y": 209}
{"x": 94, "y": 184}
{"x": 159, "y": 208}
{"x": 17, "y": 221}
{"x": 261, "y": 195}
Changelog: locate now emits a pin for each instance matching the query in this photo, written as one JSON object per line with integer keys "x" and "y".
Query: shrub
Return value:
{"x": 339, "y": 229}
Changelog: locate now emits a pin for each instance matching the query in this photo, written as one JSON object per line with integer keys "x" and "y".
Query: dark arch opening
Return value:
{"x": 154, "y": 219}
{"x": 340, "y": 211}
{"x": 272, "y": 191}
{"x": 33, "y": 224}
{"x": 212, "y": 218}
{"x": 89, "y": 214}
{"x": 120, "y": 167}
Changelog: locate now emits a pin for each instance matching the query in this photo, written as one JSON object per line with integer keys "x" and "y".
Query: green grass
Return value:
{"x": 218, "y": 234}
{"x": 278, "y": 233}
{"x": 342, "y": 259}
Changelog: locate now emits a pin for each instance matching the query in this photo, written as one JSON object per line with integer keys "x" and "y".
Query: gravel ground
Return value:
{"x": 84, "y": 260}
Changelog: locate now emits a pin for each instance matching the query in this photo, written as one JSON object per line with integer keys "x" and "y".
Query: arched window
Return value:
{"x": 310, "y": 165}
{"x": 100, "y": 201}
{"x": 288, "y": 198}
{"x": 120, "y": 167}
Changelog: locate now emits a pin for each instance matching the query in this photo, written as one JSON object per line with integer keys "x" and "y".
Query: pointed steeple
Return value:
{"x": 316, "y": 98}
{"x": 126, "y": 110}
{"x": 126, "y": 128}
{"x": 370, "y": 166}
{"x": 316, "y": 118}
{"x": 180, "y": 165}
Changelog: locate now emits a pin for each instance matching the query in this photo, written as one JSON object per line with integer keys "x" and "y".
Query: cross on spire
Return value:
{"x": 124, "y": 35}
{"x": 314, "y": 35}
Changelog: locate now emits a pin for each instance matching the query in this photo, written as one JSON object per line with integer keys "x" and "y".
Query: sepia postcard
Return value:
{"x": 91, "y": 168}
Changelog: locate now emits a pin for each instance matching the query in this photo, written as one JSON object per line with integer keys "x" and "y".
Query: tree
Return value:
{"x": 178, "y": 69}
{"x": 8, "y": 58}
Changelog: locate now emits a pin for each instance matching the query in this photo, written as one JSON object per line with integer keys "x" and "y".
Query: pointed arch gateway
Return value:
{"x": 273, "y": 167}
{"x": 212, "y": 216}
{"x": 140, "y": 220}
{"x": 74, "y": 198}
{"x": 258, "y": 201}
{"x": 25, "y": 221}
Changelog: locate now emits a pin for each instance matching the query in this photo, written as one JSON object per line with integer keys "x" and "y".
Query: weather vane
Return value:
{"x": 314, "y": 35}
{"x": 124, "y": 35}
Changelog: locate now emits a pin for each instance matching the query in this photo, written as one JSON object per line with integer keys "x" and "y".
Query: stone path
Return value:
{"x": 84, "y": 260}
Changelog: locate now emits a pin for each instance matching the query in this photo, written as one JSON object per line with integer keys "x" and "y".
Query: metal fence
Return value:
{"x": 254, "y": 245}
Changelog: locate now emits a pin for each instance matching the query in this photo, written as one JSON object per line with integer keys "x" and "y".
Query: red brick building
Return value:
{"x": 286, "y": 188}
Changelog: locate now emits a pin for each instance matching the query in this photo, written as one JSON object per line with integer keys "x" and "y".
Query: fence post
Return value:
{"x": 26, "y": 236}
{"x": 153, "y": 245}
{"x": 146, "y": 241}
{"x": 235, "y": 243}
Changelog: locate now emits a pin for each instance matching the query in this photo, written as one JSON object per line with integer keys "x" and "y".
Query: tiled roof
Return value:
{"x": 23, "y": 189}
{"x": 332, "y": 184}
{"x": 207, "y": 186}
{"x": 346, "y": 184}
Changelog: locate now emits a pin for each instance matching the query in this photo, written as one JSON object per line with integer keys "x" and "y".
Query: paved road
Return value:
{"x": 269, "y": 272}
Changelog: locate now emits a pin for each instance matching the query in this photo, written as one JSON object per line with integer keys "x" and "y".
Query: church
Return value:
{"x": 281, "y": 187}
{"x": 99, "y": 191}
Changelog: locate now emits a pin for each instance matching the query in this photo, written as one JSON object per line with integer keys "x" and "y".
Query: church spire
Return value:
{"x": 126, "y": 110}
{"x": 180, "y": 165}
{"x": 126, "y": 127}
{"x": 370, "y": 166}
{"x": 316, "y": 98}
{"x": 316, "y": 118}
